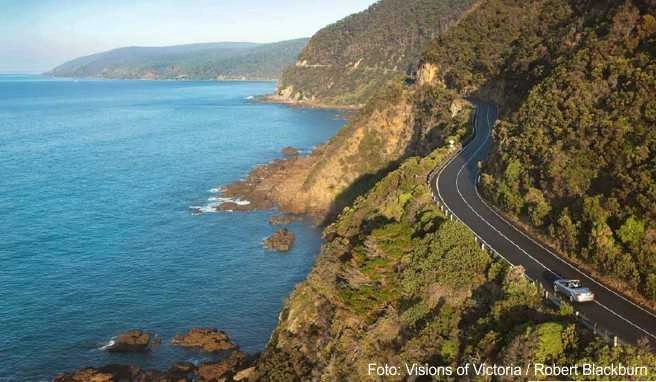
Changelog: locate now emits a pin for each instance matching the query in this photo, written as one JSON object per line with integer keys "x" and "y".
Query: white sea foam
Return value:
{"x": 237, "y": 201}
{"x": 108, "y": 344}
{"x": 250, "y": 97}
{"x": 197, "y": 210}
{"x": 216, "y": 190}
{"x": 217, "y": 201}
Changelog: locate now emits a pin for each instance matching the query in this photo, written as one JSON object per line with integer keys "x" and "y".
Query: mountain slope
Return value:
{"x": 577, "y": 160}
{"x": 397, "y": 282}
{"x": 574, "y": 153}
{"x": 346, "y": 62}
{"x": 194, "y": 61}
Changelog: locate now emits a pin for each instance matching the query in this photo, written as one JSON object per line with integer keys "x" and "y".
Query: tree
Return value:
{"x": 538, "y": 207}
{"x": 632, "y": 231}
{"x": 566, "y": 232}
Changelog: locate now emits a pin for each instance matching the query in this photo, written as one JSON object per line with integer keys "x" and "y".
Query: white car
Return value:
{"x": 573, "y": 290}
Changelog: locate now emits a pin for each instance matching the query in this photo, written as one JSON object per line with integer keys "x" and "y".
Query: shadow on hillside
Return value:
{"x": 423, "y": 141}
{"x": 359, "y": 187}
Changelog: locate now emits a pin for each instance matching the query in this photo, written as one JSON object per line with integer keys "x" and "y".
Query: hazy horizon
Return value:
{"x": 36, "y": 36}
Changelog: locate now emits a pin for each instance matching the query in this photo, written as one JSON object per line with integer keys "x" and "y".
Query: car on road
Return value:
{"x": 573, "y": 290}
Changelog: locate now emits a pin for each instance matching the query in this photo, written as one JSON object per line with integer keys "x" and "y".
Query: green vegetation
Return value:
{"x": 347, "y": 62}
{"x": 398, "y": 282}
{"x": 574, "y": 156}
{"x": 195, "y": 62}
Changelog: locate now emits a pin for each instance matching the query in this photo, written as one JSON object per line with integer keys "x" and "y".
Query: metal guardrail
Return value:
{"x": 549, "y": 296}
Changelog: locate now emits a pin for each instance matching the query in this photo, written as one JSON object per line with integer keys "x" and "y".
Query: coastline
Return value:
{"x": 276, "y": 99}
{"x": 246, "y": 360}
{"x": 96, "y": 78}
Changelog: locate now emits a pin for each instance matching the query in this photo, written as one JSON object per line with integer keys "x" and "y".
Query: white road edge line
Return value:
{"x": 504, "y": 236}
{"x": 555, "y": 255}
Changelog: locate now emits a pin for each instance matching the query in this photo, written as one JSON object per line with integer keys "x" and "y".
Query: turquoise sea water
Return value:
{"x": 96, "y": 236}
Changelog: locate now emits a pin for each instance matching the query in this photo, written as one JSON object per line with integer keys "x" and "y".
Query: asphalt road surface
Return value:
{"x": 455, "y": 187}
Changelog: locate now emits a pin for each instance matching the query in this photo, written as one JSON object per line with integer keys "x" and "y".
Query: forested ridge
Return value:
{"x": 346, "y": 62}
{"x": 574, "y": 151}
{"x": 576, "y": 155}
{"x": 579, "y": 156}
{"x": 206, "y": 61}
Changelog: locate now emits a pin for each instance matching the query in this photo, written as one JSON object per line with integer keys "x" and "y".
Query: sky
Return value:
{"x": 37, "y": 35}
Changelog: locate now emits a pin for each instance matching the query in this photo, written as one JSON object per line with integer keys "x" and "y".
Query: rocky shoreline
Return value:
{"x": 305, "y": 103}
{"x": 234, "y": 365}
{"x": 261, "y": 190}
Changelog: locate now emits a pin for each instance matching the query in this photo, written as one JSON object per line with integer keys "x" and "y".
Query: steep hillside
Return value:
{"x": 397, "y": 122}
{"x": 347, "y": 62}
{"x": 195, "y": 61}
{"x": 579, "y": 156}
{"x": 398, "y": 282}
{"x": 575, "y": 150}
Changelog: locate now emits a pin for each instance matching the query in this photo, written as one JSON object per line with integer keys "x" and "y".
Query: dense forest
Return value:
{"x": 347, "y": 62}
{"x": 207, "y": 61}
{"x": 575, "y": 149}
{"x": 579, "y": 156}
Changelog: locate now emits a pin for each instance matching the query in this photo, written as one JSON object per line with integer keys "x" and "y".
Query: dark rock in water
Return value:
{"x": 181, "y": 371}
{"x": 236, "y": 364}
{"x": 232, "y": 206}
{"x": 111, "y": 373}
{"x": 82, "y": 375}
{"x": 290, "y": 151}
{"x": 281, "y": 241}
{"x": 206, "y": 339}
{"x": 217, "y": 371}
{"x": 284, "y": 219}
{"x": 131, "y": 341}
{"x": 186, "y": 367}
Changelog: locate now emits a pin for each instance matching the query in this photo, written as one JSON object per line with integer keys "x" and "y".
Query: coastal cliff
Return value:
{"x": 348, "y": 62}
{"x": 397, "y": 123}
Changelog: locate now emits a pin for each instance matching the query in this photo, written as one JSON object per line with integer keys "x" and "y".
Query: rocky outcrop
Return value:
{"x": 457, "y": 105}
{"x": 221, "y": 371}
{"x": 132, "y": 341}
{"x": 289, "y": 151}
{"x": 281, "y": 241}
{"x": 244, "y": 375}
{"x": 234, "y": 363}
{"x": 119, "y": 373}
{"x": 237, "y": 365}
{"x": 284, "y": 219}
{"x": 427, "y": 74}
{"x": 318, "y": 184}
{"x": 205, "y": 339}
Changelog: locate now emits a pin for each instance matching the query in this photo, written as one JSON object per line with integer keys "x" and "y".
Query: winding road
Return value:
{"x": 454, "y": 186}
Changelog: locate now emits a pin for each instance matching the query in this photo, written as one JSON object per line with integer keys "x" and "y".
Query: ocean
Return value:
{"x": 97, "y": 178}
